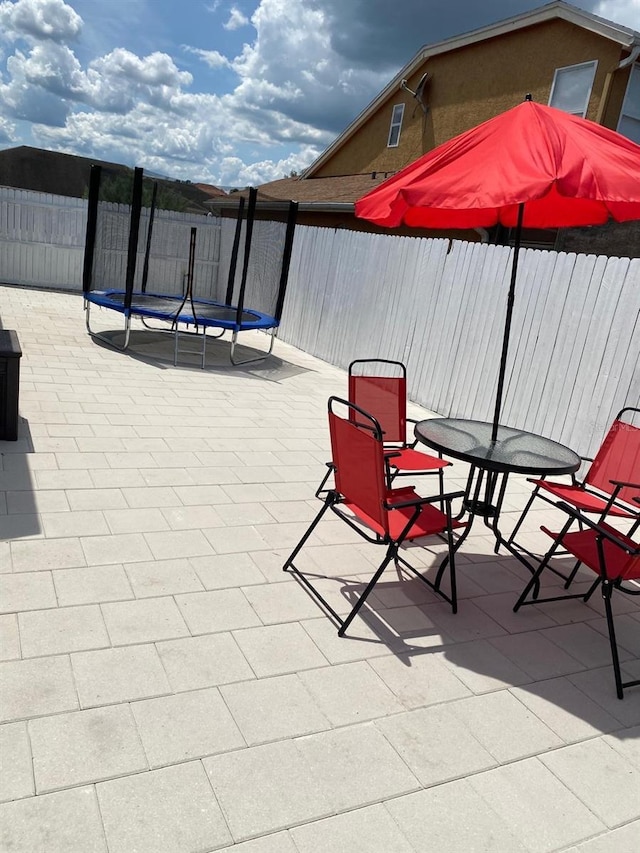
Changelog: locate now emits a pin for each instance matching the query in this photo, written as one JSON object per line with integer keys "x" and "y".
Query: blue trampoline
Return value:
{"x": 198, "y": 314}
{"x": 182, "y": 312}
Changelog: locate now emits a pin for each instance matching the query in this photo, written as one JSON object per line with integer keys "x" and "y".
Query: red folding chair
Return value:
{"x": 611, "y": 484}
{"x": 379, "y": 386}
{"x": 611, "y": 555}
{"x": 364, "y": 499}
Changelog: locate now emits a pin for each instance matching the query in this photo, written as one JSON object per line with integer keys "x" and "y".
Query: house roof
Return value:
{"x": 329, "y": 194}
{"x": 211, "y": 190}
{"x": 625, "y": 37}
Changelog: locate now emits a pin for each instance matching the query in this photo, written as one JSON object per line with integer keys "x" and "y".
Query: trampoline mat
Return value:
{"x": 174, "y": 308}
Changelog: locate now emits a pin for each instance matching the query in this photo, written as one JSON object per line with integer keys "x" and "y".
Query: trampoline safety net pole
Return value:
{"x": 286, "y": 258}
{"x": 152, "y": 213}
{"x": 92, "y": 222}
{"x": 234, "y": 254}
{"x": 188, "y": 290}
{"x": 253, "y": 194}
{"x": 134, "y": 227}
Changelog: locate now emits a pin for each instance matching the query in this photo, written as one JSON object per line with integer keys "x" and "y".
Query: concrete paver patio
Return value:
{"x": 167, "y": 688}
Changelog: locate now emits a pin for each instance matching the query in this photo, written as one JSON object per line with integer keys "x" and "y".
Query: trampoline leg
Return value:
{"x": 127, "y": 331}
{"x": 100, "y": 337}
{"x": 204, "y": 347}
{"x": 175, "y": 346}
{"x": 235, "y": 361}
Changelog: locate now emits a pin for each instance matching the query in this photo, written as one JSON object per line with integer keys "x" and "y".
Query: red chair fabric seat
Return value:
{"x": 578, "y": 496}
{"x": 618, "y": 564}
{"x": 428, "y": 523}
{"x": 408, "y": 459}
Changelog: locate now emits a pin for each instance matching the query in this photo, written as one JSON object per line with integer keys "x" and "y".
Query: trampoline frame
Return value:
{"x": 104, "y": 299}
{"x": 129, "y": 303}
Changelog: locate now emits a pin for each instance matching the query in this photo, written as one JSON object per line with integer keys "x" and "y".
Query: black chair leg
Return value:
{"x": 572, "y": 575}
{"x": 450, "y": 561}
{"x": 533, "y": 496}
{"x": 534, "y": 580}
{"x": 328, "y": 501}
{"x": 321, "y": 490}
{"x": 607, "y": 589}
{"x": 452, "y": 568}
{"x": 391, "y": 553}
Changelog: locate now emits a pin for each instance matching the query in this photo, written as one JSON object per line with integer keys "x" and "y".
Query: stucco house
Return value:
{"x": 561, "y": 55}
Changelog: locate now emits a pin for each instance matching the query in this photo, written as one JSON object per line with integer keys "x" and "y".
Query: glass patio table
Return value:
{"x": 514, "y": 451}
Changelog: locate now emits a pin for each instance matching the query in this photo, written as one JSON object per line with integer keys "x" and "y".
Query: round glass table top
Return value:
{"x": 514, "y": 450}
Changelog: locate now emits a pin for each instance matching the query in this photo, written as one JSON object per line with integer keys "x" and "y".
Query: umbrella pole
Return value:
{"x": 507, "y": 323}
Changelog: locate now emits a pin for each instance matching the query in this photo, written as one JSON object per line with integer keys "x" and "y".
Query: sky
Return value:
{"x": 227, "y": 92}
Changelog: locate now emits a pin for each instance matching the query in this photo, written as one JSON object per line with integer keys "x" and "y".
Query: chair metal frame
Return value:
{"x": 596, "y": 492}
{"x": 614, "y": 558}
{"x": 357, "y": 443}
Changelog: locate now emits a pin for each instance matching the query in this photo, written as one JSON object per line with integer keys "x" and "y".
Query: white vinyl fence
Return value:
{"x": 42, "y": 243}
{"x": 439, "y": 306}
{"x": 41, "y": 238}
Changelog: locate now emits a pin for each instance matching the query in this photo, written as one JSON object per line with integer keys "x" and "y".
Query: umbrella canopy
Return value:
{"x": 532, "y": 166}
{"x": 568, "y": 171}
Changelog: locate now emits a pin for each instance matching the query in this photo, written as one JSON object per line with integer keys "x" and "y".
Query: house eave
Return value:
{"x": 280, "y": 205}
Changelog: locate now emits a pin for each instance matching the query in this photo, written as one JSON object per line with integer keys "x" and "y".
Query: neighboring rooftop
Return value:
{"x": 57, "y": 173}
{"x": 320, "y": 193}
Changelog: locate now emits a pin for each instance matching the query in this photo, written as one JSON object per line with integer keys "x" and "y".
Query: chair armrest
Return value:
{"x": 604, "y": 531}
{"x": 418, "y": 501}
{"x": 412, "y": 443}
{"x": 623, "y": 484}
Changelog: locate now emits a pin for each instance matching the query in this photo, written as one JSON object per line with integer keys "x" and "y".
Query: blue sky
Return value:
{"x": 231, "y": 92}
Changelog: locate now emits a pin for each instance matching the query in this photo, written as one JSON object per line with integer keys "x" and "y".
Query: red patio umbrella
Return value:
{"x": 532, "y": 166}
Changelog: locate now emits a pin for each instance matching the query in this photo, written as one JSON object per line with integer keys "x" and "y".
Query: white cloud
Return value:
{"x": 291, "y": 69}
{"x": 157, "y": 69}
{"x": 213, "y": 58}
{"x": 38, "y": 19}
{"x": 625, "y": 12}
{"x": 7, "y": 132}
{"x": 267, "y": 170}
{"x": 236, "y": 20}
{"x": 51, "y": 66}
{"x": 115, "y": 82}
{"x": 21, "y": 99}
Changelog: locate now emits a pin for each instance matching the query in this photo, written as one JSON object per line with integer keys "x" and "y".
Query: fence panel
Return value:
{"x": 42, "y": 243}
{"x": 574, "y": 352}
{"x": 437, "y": 305}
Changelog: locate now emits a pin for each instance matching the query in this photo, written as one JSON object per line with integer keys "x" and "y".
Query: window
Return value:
{"x": 629, "y": 123}
{"x": 396, "y": 125}
{"x": 571, "y": 88}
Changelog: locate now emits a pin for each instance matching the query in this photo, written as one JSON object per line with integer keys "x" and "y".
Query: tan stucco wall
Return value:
{"x": 475, "y": 83}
